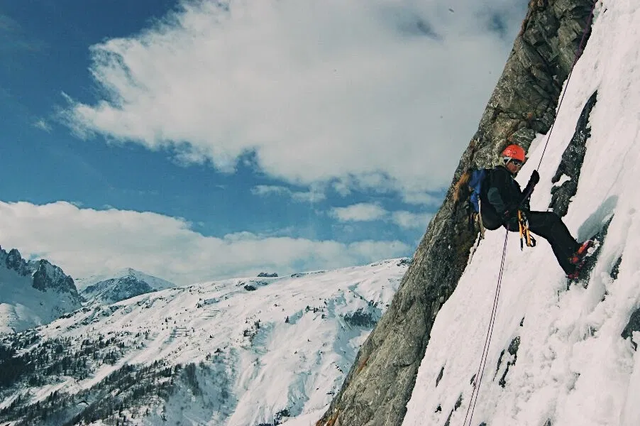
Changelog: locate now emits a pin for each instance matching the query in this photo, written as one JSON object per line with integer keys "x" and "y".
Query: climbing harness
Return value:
{"x": 524, "y": 235}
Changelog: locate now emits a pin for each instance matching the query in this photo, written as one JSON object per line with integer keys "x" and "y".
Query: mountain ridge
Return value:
{"x": 242, "y": 351}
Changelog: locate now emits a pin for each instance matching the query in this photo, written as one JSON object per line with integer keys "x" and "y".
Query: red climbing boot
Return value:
{"x": 579, "y": 256}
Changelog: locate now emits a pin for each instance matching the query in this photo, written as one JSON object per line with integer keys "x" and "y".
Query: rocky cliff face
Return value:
{"x": 33, "y": 292}
{"x": 45, "y": 275}
{"x": 14, "y": 261}
{"x": 523, "y": 103}
{"x": 50, "y": 277}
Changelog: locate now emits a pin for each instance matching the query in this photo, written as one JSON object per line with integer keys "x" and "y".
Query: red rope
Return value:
{"x": 487, "y": 341}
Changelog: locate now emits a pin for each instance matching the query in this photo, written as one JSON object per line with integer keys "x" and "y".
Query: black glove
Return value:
{"x": 533, "y": 180}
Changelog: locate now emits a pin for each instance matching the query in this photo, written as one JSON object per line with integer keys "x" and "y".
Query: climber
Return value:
{"x": 501, "y": 198}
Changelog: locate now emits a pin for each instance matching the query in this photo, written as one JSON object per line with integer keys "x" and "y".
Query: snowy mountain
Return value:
{"x": 123, "y": 285}
{"x": 32, "y": 293}
{"x": 235, "y": 352}
{"x": 276, "y": 350}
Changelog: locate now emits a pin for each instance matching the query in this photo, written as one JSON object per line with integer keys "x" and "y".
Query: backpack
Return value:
{"x": 476, "y": 179}
{"x": 468, "y": 189}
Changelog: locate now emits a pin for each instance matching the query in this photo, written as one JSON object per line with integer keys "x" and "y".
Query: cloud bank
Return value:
{"x": 376, "y": 94}
{"x": 86, "y": 242}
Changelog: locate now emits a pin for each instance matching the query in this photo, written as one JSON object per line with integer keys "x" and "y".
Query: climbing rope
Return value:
{"x": 487, "y": 342}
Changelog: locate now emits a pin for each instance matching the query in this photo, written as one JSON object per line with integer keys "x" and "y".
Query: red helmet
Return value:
{"x": 514, "y": 152}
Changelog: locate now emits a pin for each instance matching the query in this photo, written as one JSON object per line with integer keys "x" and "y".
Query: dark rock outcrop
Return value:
{"x": 366, "y": 318}
{"x": 632, "y": 325}
{"x": 14, "y": 261}
{"x": 523, "y": 103}
{"x": 440, "y": 375}
{"x": 50, "y": 277}
{"x": 513, "y": 351}
{"x": 615, "y": 269}
{"x": 45, "y": 276}
{"x": 455, "y": 408}
{"x": 571, "y": 162}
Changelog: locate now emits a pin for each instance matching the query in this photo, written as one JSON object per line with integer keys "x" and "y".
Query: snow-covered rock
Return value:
{"x": 236, "y": 352}
{"x": 33, "y": 293}
{"x": 123, "y": 285}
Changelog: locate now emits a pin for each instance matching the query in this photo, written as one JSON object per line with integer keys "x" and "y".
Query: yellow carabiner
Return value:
{"x": 525, "y": 235}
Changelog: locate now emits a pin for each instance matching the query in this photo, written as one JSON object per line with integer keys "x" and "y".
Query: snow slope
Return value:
{"x": 572, "y": 367}
{"x": 263, "y": 349}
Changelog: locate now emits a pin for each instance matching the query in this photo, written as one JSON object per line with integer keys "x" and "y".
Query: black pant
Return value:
{"x": 549, "y": 226}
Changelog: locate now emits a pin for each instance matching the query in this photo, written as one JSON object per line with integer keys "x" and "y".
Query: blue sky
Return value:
{"x": 194, "y": 141}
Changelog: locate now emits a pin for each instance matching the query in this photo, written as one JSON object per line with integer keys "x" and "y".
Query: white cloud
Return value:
{"x": 308, "y": 197}
{"x": 423, "y": 198}
{"x": 409, "y": 220}
{"x": 341, "y": 187}
{"x": 42, "y": 125}
{"x": 366, "y": 212}
{"x": 312, "y": 196}
{"x": 379, "y": 93}
{"x": 266, "y": 190}
{"x": 362, "y": 212}
{"x": 87, "y": 242}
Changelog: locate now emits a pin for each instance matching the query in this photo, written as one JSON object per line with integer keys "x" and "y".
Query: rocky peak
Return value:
{"x": 46, "y": 276}
{"x": 14, "y": 261}
{"x": 50, "y": 277}
{"x": 128, "y": 283}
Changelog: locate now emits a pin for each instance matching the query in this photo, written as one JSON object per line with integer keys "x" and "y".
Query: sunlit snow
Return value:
{"x": 268, "y": 344}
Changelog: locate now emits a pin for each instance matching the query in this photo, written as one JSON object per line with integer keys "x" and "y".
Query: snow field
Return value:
{"x": 259, "y": 346}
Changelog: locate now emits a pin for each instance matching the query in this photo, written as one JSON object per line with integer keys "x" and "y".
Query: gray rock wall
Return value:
{"x": 523, "y": 103}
